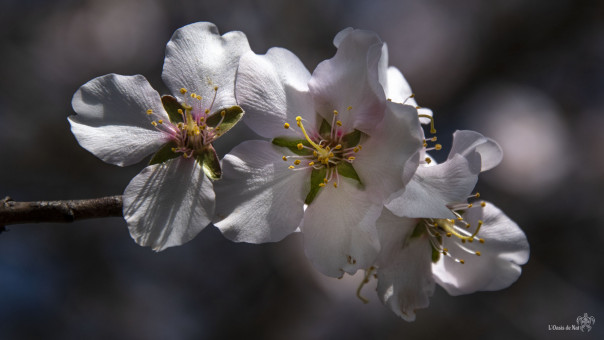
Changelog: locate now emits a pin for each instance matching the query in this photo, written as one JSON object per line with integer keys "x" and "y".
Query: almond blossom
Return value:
{"x": 122, "y": 120}
{"x": 336, "y": 151}
{"x": 438, "y": 237}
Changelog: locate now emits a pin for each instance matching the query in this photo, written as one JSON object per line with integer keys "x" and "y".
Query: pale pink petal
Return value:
{"x": 273, "y": 90}
{"x": 168, "y": 204}
{"x": 112, "y": 121}
{"x": 405, "y": 281}
{"x": 350, "y": 79}
{"x": 198, "y": 59}
{"x": 339, "y": 230}
{"x": 504, "y": 250}
{"x": 470, "y": 144}
{"x": 259, "y": 199}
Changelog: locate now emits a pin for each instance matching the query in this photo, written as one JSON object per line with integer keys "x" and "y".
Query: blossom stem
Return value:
{"x": 12, "y": 212}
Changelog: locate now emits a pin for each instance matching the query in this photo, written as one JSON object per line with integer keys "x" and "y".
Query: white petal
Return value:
{"x": 504, "y": 250}
{"x": 405, "y": 281}
{"x": 198, "y": 58}
{"x": 167, "y": 204}
{"x": 386, "y": 152}
{"x": 339, "y": 230}
{"x": 432, "y": 188}
{"x": 398, "y": 90}
{"x": 273, "y": 90}
{"x": 350, "y": 78}
{"x": 470, "y": 144}
{"x": 259, "y": 199}
{"x": 112, "y": 122}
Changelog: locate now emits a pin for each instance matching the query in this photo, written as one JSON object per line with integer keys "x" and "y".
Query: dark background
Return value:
{"x": 530, "y": 74}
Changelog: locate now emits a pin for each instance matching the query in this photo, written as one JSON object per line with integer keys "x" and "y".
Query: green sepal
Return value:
{"x": 232, "y": 115}
{"x": 435, "y": 255}
{"x": 164, "y": 154}
{"x": 325, "y": 129}
{"x": 418, "y": 231}
{"x": 292, "y": 144}
{"x": 351, "y": 139}
{"x": 347, "y": 170}
{"x": 316, "y": 178}
{"x": 171, "y": 105}
{"x": 208, "y": 159}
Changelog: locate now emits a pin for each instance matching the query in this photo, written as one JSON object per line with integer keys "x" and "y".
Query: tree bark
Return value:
{"x": 12, "y": 212}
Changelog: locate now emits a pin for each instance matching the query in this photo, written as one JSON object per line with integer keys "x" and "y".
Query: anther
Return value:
{"x": 438, "y": 147}
{"x": 338, "y": 147}
{"x": 154, "y": 123}
{"x": 351, "y": 158}
{"x": 449, "y": 234}
{"x": 286, "y": 125}
{"x": 223, "y": 113}
{"x": 338, "y": 123}
{"x": 483, "y": 204}
{"x": 180, "y": 111}
{"x": 284, "y": 158}
{"x": 300, "y": 146}
{"x": 335, "y": 112}
{"x": 428, "y": 160}
{"x": 335, "y": 184}
{"x": 432, "y": 129}
{"x": 321, "y": 185}
{"x": 149, "y": 111}
{"x": 481, "y": 240}
{"x": 477, "y": 253}
{"x": 183, "y": 90}
{"x": 297, "y": 162}
{"x": 349, "y": 108}
{"x": 462, "y": 261}
{"x": 470, "y": 205}
{"x": 291, "y": 166}
{"x": 161, "y": 121}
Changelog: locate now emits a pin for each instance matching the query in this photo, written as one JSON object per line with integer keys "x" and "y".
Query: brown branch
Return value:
{"x": 12, "y": 212}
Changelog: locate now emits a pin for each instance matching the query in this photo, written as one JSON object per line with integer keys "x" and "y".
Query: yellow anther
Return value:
{"x": 183, "y": 90}
{"x": 338, "y": 147}
{"x": 463, "y": 240}
{"x": 470, "y": 240}
{"x": 311, "y": 163}
{"x": 445, "y": 249}
{"x": 327, "y": 148}
{"x": 470, "y": 205}
{"x": 300, "y": 146}
{"x": 335, "y": 112}
{"x": 483, "y": 204}
{"x": 286, "y": 125}
{"x": 425, "y": 144}
{"x": 349, "y": 108}
{"x": 412, "y": 95}
{"x": 433, "y": 139}
{"x": 154, "y": 123}
{"x": 338, "y": 123}
{"x": 444, "y": 252}
{"x": 284, "y": 158}
{"x": 297, "y": 162}
{"x": 215, "y": 88}
{"x": 351, "y": 158}
{"x": 314, "y": 153}
{"x": 149, "y": 111}
{"x": 180, "y": 111}
{"x": 321, "y": 184}
{"x": 161, "y": 121}
{"x": 331, "y": 154}
{"x": 291, "y": 166}
{"x": 477, "y": 253}
{"x": 360, "y": 147}
{"x": 428, "y": 160}
{"x": 193, "y": 95}
{"x": 449, "y": 234}
{"x": 207, "y": 111}
{"x": 462, "y": 261}
{"x": 335, "y": 184}
{"x": 201, "y": 119}
{"x": 438, "y": 146}
{"x": 198, "y": 97}
{"x": 173, "y": 149}
{"x": 356, "y": 149}
{"x": 324, "y": 180}
{"x": 460, "y": 218}
{"x": 481, "y": 240}
{"x": 477, "y": 195}
{"x": 223, "y": 113}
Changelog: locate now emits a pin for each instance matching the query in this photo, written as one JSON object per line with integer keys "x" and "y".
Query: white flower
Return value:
{"x": 122, "y": 119}
{"x": 338, "y": 147}
{"x": 443, "y": 239}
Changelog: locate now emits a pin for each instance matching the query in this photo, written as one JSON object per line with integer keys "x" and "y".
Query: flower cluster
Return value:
{"x": 344, "y": 160}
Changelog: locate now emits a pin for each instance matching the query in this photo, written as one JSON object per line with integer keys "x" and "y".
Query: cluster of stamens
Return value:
{"x": 192, "y": 134}
{"x": 327, "y": 151}
{"x": 437, "y": 228}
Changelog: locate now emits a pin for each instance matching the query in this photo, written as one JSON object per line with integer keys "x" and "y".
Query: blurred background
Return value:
{"x": 528, "y": 74}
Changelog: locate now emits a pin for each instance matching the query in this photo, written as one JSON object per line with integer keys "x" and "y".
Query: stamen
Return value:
{"x": 432, "y": 129}
{"x": 366, "y": 278}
